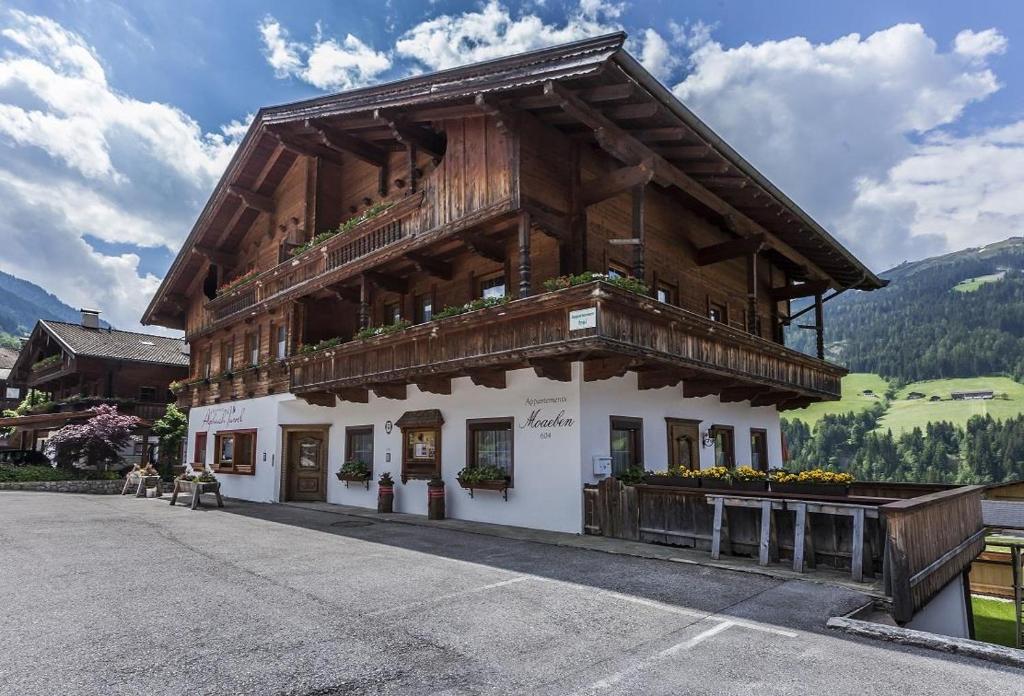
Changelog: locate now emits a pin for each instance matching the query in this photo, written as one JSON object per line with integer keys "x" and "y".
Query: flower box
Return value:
{"x": 832, "y": 489}
{"x": 354, "y": 478}
{"x": 747, "y": 485}
{"x": 677, "y": 481}
{"x": 500, "y": 485}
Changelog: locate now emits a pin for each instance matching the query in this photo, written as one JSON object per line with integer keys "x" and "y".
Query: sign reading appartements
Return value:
{"x": 580, "y": 319}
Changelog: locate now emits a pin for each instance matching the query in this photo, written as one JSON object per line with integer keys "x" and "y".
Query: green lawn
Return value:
{"x": 853, "y": 400}
{"x": 972, "y": 284}
{"x": 993, "y": 621}
{"x": 904, "y": 414}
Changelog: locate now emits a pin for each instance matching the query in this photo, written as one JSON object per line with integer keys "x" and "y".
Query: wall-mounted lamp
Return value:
{"x": 707, "y": 439}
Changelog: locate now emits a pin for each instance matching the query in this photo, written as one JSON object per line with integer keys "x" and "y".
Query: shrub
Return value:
{"x": 475, "y": 474}
{"x": 626, "y": 283}
{"x": 374, "y": 331}
{"x": 322, "y": 345}
{"x": 370, "y": 213}
{"x": 355, "y": 468}
{"x": 480, "y": 303}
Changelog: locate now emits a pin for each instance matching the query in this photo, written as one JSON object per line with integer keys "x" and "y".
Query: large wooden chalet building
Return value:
{"x": 458, "y": 199}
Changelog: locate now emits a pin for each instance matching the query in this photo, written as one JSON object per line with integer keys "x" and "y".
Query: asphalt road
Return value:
{"x": 106, "y": 595}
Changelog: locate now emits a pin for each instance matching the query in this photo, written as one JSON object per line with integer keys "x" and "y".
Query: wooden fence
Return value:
{"x": 929, "y": 541}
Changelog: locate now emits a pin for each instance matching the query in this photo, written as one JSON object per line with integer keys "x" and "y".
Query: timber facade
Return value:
{"x": 549, "y": 242}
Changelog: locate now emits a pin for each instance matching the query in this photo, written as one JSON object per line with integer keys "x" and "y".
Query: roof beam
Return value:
{"x": 616, "y": 182}
{"x": 221, "y": 258}
{"x": 734, "y": 248}
{"x": 256, "y": 201}
{"x": 662, "y": 135}
{"x": 345, "y": 142}
{"x": 504, "y": 119}
{"x": 307, "y": 150}
{"x": 628, "y": 149}
{"x": 424, "y": 139}
{"x": 484, "y": 247}
{"x": 387, "y": 282}
{"x": 792, "y": 292}
{"x": 435, "y": 267}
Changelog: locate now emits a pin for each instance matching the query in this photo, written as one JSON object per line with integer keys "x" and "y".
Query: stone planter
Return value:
{"x": 835, "y": 490}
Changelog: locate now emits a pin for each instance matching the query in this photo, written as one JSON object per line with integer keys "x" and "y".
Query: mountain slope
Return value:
{"x": 23, "y": 303}
{"x": 956, "y": 315}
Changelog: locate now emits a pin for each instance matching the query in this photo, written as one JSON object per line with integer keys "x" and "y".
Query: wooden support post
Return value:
{"x": 364, "y": 302}
{"x": 752, "y": 293}
{"x": 716, "y": 531}
{"x": 638, "y": 231}
{"x": 857, "y": 560}
{"x": 799, "y": 532}
{"x": 410, "y": 151}
{"x": 766, "y": 532}
{"x": 524, "y": 254}
{"x": 819, "y": 326}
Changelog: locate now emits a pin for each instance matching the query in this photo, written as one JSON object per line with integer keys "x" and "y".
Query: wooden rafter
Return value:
{"x": 732, "y": 394}
{"x": 658, "y": 379}
{"x": 435, "y": 385}
{"x": 558, "y": 370}
{"x": 616, "y": 182}
{"x": 792, "y": 292}
{"x": 345, "y": 142}
{"x": 389, "y": 391}
{"x": 484, "y": 247}
{"x": 492, "y": 379}
{"x": 387, "y": 282}
{"x": 318, "y": 398}
{"x": 357, "y": 395}
{"x": 628, "y": 149}
{"x": 734, "y": 248}
{"x": 221, "y": 258}
{"x": 425, "y": 264}
{"x": 423, "y": 138}
{"x": 256, "y": 201}
{"x": 504, "y": 118}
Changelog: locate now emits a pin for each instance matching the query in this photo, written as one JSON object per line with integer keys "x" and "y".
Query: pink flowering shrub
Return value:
{"x": 95, "y": 443}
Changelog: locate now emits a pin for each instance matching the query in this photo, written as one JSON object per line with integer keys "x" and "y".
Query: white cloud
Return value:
{"x": 823, "y": 119}
{"x": 979, "y": 44}
{"x": 324, "y": 63}
{"x": 78, "y": 158}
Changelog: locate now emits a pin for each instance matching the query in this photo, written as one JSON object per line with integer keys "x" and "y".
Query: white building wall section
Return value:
{"x": 946, "y": 613}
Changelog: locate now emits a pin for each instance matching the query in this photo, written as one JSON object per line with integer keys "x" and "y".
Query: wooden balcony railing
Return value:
{"x": 650, "y": 334}
{"x": 391, "y": 226}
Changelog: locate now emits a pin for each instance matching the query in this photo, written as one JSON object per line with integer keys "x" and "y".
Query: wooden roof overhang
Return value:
{"x": 591, "y": 89}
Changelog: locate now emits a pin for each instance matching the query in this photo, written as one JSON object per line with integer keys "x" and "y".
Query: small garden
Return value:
{"x": 812, "y": 482}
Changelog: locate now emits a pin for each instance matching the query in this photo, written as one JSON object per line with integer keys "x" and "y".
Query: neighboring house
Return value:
{"x": 10, "y": 395}
{"x": 79, "y": 366}
{"x": 972, "y": 395}
{"x": 913, "y": 396}
{"x": 484, "y": 184}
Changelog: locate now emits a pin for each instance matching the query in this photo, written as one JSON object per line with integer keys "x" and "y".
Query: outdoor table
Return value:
{"x": 196, "y": 488}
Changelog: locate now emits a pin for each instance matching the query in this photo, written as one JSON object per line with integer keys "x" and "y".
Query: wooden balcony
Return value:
{"x": 403, "y": 227}
{"x": 664, "y": 344}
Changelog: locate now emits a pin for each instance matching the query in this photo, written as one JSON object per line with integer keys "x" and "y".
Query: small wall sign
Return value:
{"x": 580, "y": 319}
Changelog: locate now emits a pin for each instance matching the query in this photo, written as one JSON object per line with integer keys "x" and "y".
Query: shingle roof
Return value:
{"x": 7, "y": 357}
{"x": 121, "y": 345}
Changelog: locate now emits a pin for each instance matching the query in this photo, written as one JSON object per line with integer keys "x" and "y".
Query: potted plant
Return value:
{"x": 354, "y": 471}
{"x": 746, "y": 478}
{"x": 633, "y": 475}
{"x": 715, "y": 477}
{"x": 487, "y": 477}
{"x": 678, "y": 476}
{"x": 811, "y": 482}
{"x": 385, "y": 493}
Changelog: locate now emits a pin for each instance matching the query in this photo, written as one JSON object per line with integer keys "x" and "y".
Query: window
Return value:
{"x": 424, "y": 308}
{"x": 207, "y": 365}
{"x": 235, "y": 452}
{"x": 759, "y": 449}
{"x": 227, "y": 356}
{"x": 489, "y": 443}
{"x": 666, "y": 293}
{"x": 421, "y": 444}
{"x": 492, "y": 286}
{"x": 252, "y": 348}
{"x": 724, "y": 450}
{"x": 359, "y": 445}
{"x": 281, "y": 337}
{"x": 617, "y": 270}
{"x": 13, "y": 393}
{"x": 717, "y": 312}
{"x": 627, "y": 439}
{"x": 199, "y": 454}
{"x": 392, "y": 313}
{"x": 147, "y": 394}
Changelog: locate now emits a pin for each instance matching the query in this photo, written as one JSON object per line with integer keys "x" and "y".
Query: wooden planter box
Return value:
{"x": 500, "y": 485}
{"x": 755, "y": 486}
{"x": 836, "y": 490}
{"x": 196, "y": 489}
{"x": 353, "y": 478}
{"x": 677, "y": 481}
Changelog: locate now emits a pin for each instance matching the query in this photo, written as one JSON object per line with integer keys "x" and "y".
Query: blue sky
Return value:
{"x": 904, "y": 140}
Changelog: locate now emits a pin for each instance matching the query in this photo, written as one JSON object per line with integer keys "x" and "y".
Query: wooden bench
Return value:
{"x": 196, "y": 488}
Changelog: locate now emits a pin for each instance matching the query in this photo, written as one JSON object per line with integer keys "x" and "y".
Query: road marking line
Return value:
{"x": 453, "y": 595}
{"x": 614, "y": 679}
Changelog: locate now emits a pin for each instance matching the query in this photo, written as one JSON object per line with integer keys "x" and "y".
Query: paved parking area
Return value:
{"x": 105, "y": 595}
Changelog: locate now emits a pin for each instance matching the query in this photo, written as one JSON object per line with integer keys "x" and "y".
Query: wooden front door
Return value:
{"x": 307, "y": 465}
{"x": 683, "y": 441}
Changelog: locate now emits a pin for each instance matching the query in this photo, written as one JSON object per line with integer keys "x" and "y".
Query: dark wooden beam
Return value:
{"x": 389, "y": 391}
{"x": 221, "y": 258}
{"x": 356, "y": 395}
{"x": 616, "y": 182}
{"x": 698, "y": 168}
{"x": 524, "y": 254}
{"x": 551, "y": 222}
{"x": 772, "y": 398}
{"x": 296, "y": 145}
{"x": 639, "y": 226}
{"x": 493, "y": 379}
{"x": 797, "y": 403}
{"x": 819, "y": 326}
{"x": 607, "y": 93}
{"x": 435, "y": 385}
{"x": 731, "y": 394}
{"x": 558, "y": 370}
{"x": 346, "y": 142}
{"x": 256, "y": 201}
{"x": 657, "y": 379}
{"x": 505, "y": 119}
{"x": 318, "y": 398}
{"x": 484, "y": 247}
{"x": 364, "y": 302}
{"x": 792, "y": 292}
{"x": 605, "y": 368}
{"x": 752, "y": 283}
{"x": 734, "y": 248}
{"x": 424, "y": 139}
{"x": 685, "y": 152}
{"x": 696, "y": 388}
{"x": 343, "y": 292}
{"x": 425, "y": 264}
{"x": 387, "y": 282}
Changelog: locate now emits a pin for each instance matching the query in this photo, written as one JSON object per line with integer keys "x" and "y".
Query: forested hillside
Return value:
{"x": 23, "y": 303}
{"x": 923, "y": 326}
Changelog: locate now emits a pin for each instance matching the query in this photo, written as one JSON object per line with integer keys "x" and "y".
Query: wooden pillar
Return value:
{"x": 410, "y": 151}
{"x": 752, "y": 293}
{"x": 819, "y": 326}
{"x": 524, "y": 254}
{"x": 364, "y": 302}
{"x": 576, "y": 255}
{"x": 638, "y": 232}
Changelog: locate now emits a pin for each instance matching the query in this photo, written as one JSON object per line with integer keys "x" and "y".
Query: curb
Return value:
{"x": 930, "y": 641}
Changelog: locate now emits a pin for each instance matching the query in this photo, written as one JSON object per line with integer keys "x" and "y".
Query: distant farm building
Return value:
{"x": 915, "y": 395}
{"x": 868, "y": 392}
{"x": 935, "y": 397}
{"x": 972, "y": 395}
